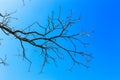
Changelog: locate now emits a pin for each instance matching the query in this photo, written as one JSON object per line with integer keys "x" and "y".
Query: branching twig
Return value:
{"x": 3, "y": 61}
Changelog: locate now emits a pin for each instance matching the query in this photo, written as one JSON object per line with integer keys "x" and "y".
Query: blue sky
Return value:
{"x": 102, "y": 16}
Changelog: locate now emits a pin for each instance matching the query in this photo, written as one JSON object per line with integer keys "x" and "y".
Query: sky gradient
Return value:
{"x": 102, "y": 16}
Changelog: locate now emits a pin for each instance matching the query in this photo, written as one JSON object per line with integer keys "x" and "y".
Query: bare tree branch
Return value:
{"x": 56, "y": 29}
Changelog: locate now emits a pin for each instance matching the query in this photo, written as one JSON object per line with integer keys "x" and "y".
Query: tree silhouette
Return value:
{"x": 48, "y": 40}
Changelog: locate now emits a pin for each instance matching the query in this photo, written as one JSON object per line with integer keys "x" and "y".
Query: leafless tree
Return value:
{"x": 48, "y": 40}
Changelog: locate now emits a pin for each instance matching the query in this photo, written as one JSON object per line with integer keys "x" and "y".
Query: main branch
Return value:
{"x": 56, "y": 29}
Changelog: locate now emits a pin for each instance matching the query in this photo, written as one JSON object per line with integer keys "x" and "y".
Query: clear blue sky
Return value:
{"x": 101, "y": 15}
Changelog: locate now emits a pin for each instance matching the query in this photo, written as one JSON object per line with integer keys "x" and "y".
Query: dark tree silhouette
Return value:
{"x": 48, "y": 40}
